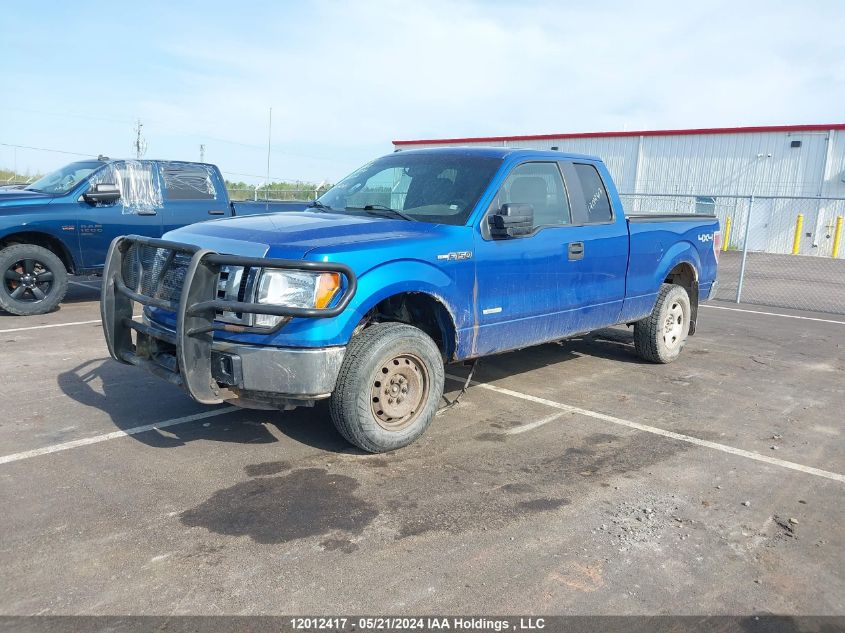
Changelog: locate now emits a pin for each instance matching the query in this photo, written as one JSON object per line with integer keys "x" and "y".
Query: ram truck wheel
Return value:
{"x": 660, "y": 336}
{"x": 389, "y": 387}
{"x": 34, "y": 280}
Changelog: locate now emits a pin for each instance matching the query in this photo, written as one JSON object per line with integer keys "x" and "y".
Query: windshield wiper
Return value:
{"x": 380, "y": 207}
{"x": 319, "y": 205}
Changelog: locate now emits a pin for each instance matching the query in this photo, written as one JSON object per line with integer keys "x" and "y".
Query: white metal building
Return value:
{"x": 717, "y": 168}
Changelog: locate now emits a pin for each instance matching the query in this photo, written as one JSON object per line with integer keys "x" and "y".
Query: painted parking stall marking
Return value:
{"x": 655, "y": 430}
{"x": 52, "y": 325}
{"x": 86, "y": 441}
{"x": 775, "y": 314}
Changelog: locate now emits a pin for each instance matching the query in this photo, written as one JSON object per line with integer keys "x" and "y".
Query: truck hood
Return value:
{"x": 294, "y": 234}
{"x": 22, "y": 197}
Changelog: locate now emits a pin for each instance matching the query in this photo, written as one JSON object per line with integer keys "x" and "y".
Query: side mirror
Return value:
{"x": 514, "y": 219}
{"x": 102, "y": 193}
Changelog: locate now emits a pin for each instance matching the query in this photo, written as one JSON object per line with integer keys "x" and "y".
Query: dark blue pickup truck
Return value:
{"x": 417, "y": 259}
{"x": 64, "y": 222}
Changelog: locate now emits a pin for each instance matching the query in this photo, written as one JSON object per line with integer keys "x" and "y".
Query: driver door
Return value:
{"x": 522, "y": 281}
{"x": 137, "y": 212}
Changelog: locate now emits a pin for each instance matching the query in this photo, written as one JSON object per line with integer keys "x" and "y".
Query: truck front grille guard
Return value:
{"x": 196, "y": 305}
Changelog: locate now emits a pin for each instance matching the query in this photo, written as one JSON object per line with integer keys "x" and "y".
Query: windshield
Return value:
{"x": 64, "y": 179}
{"x": 436, "y": 188}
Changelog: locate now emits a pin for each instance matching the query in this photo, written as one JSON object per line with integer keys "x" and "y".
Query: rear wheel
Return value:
{"x": 34, "y": 280}
{"x": 660, "y": 337}
{"x": 389, "y": 387}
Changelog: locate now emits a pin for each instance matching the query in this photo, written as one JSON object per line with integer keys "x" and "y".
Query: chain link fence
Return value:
{"x": 777, "y": 250}
{"x": 251, "y": 193}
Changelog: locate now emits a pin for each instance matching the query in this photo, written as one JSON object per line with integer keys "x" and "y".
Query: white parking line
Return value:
{"x": 85, "y": 441}
{"x": 778, "y": 314}
{"x": 533, "y": 425}
{"x": 657, "y": 431}
{"x": 44, "y": 327}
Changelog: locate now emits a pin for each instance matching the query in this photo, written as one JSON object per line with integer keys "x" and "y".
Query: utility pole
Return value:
{"x": 140, "y": 144}
{"x": 269, "y": 131}
{"x": 202, "y": 153}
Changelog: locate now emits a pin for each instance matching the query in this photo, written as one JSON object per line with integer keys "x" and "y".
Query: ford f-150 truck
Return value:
{"x": 64, "y": 222}
{"x": 417, "y": 259}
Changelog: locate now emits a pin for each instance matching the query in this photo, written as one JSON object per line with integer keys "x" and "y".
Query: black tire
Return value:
{"x": 368, "y": 406}
{"x": 661, "y": 336}
{"x": 32, "y": 280}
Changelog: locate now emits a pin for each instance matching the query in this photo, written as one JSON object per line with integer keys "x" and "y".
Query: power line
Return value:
{"x": 44, "y": 149}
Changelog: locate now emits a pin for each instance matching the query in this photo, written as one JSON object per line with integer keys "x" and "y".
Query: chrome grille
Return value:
{"x": 235, "y": 284}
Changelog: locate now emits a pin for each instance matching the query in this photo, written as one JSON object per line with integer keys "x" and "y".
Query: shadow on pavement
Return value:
{"x": 612, "y": 344}
{"x": 132, "y": 398}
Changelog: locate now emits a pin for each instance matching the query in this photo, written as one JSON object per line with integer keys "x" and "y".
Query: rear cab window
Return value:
{"x": 187, "y": 181}
{"x": 591, "y": 204}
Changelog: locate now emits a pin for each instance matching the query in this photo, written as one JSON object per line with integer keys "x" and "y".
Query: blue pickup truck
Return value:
{"x": 64, "y": 222}
{"x": 417, "y": 259}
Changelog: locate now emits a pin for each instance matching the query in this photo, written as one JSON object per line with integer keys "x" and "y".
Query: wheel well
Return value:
{"x": 43, "y": 240}
{"x": 685, "y": 275}
{"x": 420, "y": 310}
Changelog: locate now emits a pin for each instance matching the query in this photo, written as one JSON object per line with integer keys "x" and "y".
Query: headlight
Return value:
{"x": 295, "y": 289}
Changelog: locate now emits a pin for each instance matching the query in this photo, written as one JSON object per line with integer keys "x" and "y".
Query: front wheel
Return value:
{"x": 660, "y": 336}
{"x": 389, "y": 387}
{"x": 34, "y": 280}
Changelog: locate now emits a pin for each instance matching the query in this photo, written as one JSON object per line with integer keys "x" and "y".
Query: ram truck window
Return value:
{"x": 416, "y": 260}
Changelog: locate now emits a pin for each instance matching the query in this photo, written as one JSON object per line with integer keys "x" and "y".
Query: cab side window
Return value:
{"x": 139, "y": 188}
{"x": 541, "y": 186}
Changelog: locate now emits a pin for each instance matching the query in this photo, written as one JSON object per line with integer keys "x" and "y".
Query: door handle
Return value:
{"x": 216, "y": 212}
{"x": 576, "y": 250}
{"x": 147, "y": 212}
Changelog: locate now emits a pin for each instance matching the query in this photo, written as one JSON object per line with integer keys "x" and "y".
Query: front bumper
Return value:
{"x": 256, "y": 373}
{"x": 214, "y": 371}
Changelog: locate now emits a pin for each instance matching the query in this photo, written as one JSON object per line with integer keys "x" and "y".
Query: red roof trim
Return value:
{"x": 715, "y": 130}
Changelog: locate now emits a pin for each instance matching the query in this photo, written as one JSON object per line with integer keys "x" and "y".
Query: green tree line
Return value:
{"x": 282, "y": 190}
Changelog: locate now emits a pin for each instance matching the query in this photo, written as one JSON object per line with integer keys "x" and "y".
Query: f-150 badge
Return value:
{"x": 455, "y": 255}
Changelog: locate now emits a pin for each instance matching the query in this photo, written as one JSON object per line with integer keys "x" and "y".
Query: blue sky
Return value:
{"x": 346, "y": 78}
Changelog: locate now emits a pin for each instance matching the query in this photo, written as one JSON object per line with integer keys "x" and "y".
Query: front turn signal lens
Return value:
{"x": 327, "y": 286}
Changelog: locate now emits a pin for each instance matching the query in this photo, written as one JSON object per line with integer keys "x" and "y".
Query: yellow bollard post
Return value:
{"x": 727, "y": 237}
{"x": 837, "y": 236}
{"x": 796, "y": 242}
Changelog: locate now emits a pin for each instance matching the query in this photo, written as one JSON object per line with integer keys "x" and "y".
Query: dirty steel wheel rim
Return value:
{"x": 28, "y": 280}
{"x": 399, "y": 392}
{"x": 674, "y": 326}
